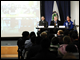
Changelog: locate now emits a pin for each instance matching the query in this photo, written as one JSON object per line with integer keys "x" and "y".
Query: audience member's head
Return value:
{"x": 25, "y": 34}
{"x": 71, "y": 48}
{"x": 44, "y": 35}
{"x": 32, "y": 34}
{"x": 55, "y": 40}
{"x": 51, "y": 36}
{"x": 66, "y": 40}
{"x": 60, "y": 32}
{"x": 75, "y": 31}
{"x": 45, "y": 43}
{"x": 66, "y": 32}
{"x": 74, "y": 36}
{"x": 71, "y": 32}
{"x": 69, "y": 56}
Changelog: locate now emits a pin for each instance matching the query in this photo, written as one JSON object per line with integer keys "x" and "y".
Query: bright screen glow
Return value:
{"x": 19, "y": 16}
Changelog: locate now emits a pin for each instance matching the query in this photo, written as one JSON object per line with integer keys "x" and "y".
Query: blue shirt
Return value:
{"x": 70, "y": 24}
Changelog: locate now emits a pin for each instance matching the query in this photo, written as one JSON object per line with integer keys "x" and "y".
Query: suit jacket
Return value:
{"x": 43, "y": 23}
{"x": 71, "y": 26}
{"x": 53, "y": 23}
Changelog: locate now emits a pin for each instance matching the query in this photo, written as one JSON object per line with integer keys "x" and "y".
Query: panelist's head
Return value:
{"x": 55, "y": 18}
{"x": 68, "y": 18}
{"x": 42, "y": 18}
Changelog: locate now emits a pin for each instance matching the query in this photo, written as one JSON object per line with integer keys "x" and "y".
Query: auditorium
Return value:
{"x": 39, "y": 29}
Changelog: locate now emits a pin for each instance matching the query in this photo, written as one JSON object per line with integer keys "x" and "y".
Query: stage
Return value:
{"x": 9, "y": 49}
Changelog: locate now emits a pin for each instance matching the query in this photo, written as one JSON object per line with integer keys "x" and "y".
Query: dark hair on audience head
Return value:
{"x": 25, "y": 34}
{"x": 66, "y": 32}
{"x": 32, "y": 34}
{"x": 55, "y": 40}
{"x": 74, "y": 36}
{"x": 71, "y": 48}
{"x": 75, "y": 31}
{"x": 45, "y": 43}
{"x": 66, "y": 40}
{"x": 71, "y": 32}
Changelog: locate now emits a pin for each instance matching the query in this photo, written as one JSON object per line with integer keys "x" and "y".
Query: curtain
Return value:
{"x": 64, "y": 10}
{"x": 48, "y": 7}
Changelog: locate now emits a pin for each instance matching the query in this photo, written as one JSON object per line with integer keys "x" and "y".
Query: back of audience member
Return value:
{"x": 74, "y": 36}
{"x": 34, "y": 49}
{"x": 38, "y": 40}
{"x": 33, "y": 40}
{"x": 21, "y": 42}
{"x": 70, "y": 33}
{"x": 66, "y": 32}
{"x": 32, "y": 34}
{"x": 54, "y": 45}
{"x": 75, "y": 31}
{"x": 51, "y": 36}
{"x": 60, "y": 34}
{"x": 45, "y": 53}
{"x": 71, "y": 48}
{"x": 69, "y": 56}
{"x": 61, "y": 49}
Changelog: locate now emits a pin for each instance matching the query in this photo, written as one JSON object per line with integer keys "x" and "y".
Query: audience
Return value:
{"x": 60, "y": 35}
{"x": 22, "y": 43}
{"x": 54, "y": 45}
{"x": 61, "y": 49}
{"x": 33, "y": 49}
{"x": 33, "y": 40}
{"x": 48, "y": 46}
{"x": 66, "y": 32}
{"x": 44, "y": 52}
{"x": 32, "y": 34}
{"x": 75, "y": 39}
{"x": 43, "y": 35}
{"x": 71, "y": 48}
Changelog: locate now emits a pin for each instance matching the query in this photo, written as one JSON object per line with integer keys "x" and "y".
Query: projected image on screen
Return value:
{"x": 19, "y": 16}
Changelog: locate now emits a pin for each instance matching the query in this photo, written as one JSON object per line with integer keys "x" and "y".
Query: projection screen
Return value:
{"x": 19, "y": 16}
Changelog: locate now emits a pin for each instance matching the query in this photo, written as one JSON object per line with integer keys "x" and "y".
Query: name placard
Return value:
{"x": 61, "y": 26}
{"x": 50, "y": 26}
{"x": 40, "y": 26}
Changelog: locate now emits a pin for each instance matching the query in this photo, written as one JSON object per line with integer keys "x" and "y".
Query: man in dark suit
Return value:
{"x": 55, "y": 23}
{"x": 44, "y": 23}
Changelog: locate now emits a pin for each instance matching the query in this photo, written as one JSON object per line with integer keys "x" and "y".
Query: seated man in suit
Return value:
{"x": 69, "y": 24}
{"x": 55, "y": 23}
{"x": 44, "y": 23}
